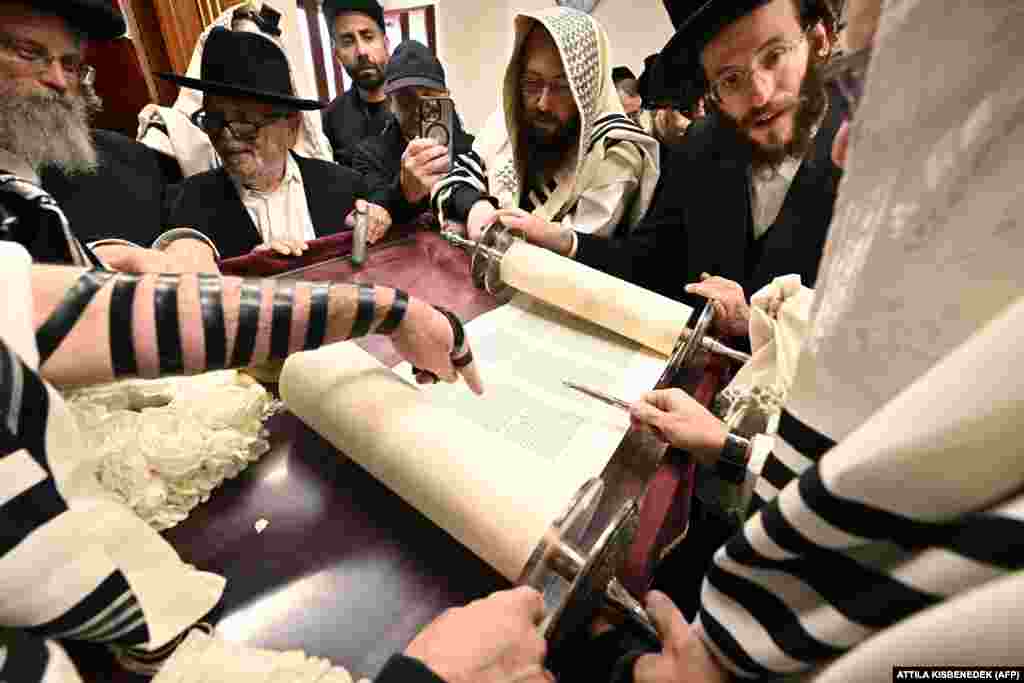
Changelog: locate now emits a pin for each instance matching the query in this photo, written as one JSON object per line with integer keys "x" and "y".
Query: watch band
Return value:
{"x": 732, "y": 461}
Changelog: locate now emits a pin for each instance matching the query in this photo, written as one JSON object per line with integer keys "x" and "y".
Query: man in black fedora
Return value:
{"x": 756, "y": 183}
{"x": 361, "y": 47}
{"x": 45, "y": 106}
{"x": 400, "y": 166}
{"x": 264, "y": 195}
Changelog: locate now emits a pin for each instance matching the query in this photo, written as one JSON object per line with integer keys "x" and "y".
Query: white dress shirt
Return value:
{"x": 283, "y": 213}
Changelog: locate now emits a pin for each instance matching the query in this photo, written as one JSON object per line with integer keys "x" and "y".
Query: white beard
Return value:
{"x": 48, "y": 130}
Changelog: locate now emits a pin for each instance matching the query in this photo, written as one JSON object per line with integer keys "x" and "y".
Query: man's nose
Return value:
{"x": 762, "y": 87}
{"x": 54, "y": 77}
{"x": 362, "y": 47}
{"x": 544, "y": 101}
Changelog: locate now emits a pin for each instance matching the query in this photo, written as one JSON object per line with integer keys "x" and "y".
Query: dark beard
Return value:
{"x": 48, "y": 130}
{"x": 813, "y": 102}
{"x": 543, "y": 152}
{"x": 367, "y": 80}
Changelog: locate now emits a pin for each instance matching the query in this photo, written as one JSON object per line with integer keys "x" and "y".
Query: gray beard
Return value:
{"x": 47, "y": 130}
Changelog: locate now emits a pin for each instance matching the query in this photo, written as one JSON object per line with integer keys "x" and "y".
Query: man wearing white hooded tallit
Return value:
{"x": 561, "y": 150}
{"x": 886, "y": 526}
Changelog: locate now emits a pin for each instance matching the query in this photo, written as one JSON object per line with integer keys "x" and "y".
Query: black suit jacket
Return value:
{"x": 126, "y": 196}
{"x": 348, "y": 120}
{"x": 702, "y": 220}
{"x": 210, "y": 203}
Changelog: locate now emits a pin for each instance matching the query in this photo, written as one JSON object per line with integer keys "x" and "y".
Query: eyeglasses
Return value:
{"x": 39, "y": 60}
{"x": 213, "y": 122}
{"x": 738, "y": 82}
{"x": 849, "y": 72}
{"x": 534, "y": 88}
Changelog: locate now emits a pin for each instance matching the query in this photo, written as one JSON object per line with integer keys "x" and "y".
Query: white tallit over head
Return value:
{"x": 191, "y": 146}
{"x": 586, "y": 56}
{"x": 927, "y": 244}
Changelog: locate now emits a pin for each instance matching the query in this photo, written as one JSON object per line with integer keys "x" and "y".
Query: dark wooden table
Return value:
{"x": 344, "y": 569}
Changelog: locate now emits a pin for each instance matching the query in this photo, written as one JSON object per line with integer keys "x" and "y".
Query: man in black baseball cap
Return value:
{"x": 400, "y": 165}
{"x": 45, "y": 104}
{"x": 361, "y": 47}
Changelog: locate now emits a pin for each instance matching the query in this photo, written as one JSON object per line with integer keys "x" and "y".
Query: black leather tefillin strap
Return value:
{"x": 67, "y": 314}
{"x": 395, "y": 314}
{"x": 365, "y": 309}
{"x": 211, "y": 308}
{"x": 316, "y": 328}
{"x": 281, "y": 320}
{"x": 168, "y": 327}
{"x": 248, "y": 324}
{"x": 122, "y": 326}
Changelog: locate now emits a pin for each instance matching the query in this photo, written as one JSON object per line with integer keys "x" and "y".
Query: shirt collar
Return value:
{"x": 15, "y": 165}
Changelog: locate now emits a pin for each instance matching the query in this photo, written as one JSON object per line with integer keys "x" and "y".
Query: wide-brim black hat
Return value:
{"x": 697, "y": 22}
{"x": 244, "y": 64}
{"x": 97, "y": 19}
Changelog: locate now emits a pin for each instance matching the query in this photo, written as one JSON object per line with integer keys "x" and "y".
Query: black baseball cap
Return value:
{"x": 413, "y": 64}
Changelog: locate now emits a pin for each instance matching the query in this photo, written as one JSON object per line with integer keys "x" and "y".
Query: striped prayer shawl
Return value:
{"x": 98, "y": 605}
{"x": 847, "y": 540}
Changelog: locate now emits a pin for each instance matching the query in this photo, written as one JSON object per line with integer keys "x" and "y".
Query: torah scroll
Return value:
{"x": 493, "y": 471}
{"x": 634, "y": 312}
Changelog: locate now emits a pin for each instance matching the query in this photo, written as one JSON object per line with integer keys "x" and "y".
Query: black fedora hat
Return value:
{"x": 244, "y": 64}
{"x": 697, "y": 22}
{"x": 97, "y": 19}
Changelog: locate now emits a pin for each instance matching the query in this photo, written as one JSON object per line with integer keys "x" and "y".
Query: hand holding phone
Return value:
{"x": 427, "y": 159}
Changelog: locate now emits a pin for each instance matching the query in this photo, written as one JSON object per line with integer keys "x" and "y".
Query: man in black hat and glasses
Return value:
{"x": 45, "y": 90}
{"x": 757, "y": 184}
{"x": 361, "y": 47}
{"x": 264, "y": 195}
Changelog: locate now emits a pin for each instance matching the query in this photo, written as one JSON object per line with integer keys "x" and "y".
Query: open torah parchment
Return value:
{"x": 493, "y": 471}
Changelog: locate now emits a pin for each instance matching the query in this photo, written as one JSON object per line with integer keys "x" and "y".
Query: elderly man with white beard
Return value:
{"x": 44, "y": 121}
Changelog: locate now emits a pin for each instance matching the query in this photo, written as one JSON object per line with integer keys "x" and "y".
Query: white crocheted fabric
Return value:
{"x": 165, "y": 445}
{"x": 211, "y": 659}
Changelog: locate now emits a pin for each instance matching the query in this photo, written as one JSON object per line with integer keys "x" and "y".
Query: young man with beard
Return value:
{"x": 361, "y": 47}
{"x": 560, "y": 155}
{"x": 753, "y": 188}
{"x": 865, "y": 545}
{"x": 44, "y": 121}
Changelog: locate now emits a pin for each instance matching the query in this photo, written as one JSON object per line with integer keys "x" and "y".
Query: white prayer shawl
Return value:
{"x": 76, "y": 563}
{"x": 190, "y": 145}
{"x": 912, "y": 365}
{"x": 586, "y": 56}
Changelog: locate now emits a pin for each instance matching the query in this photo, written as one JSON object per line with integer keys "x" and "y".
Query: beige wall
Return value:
{"x": 475, "y": 40}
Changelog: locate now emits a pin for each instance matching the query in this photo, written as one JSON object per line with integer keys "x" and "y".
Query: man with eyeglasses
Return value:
{"x": 46, "y": 98}
{"x": 752, "y": 190}
{"x": 264, "y": 196}
{"x": 884, "y": 529}
{"x": 560, "y": 155}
